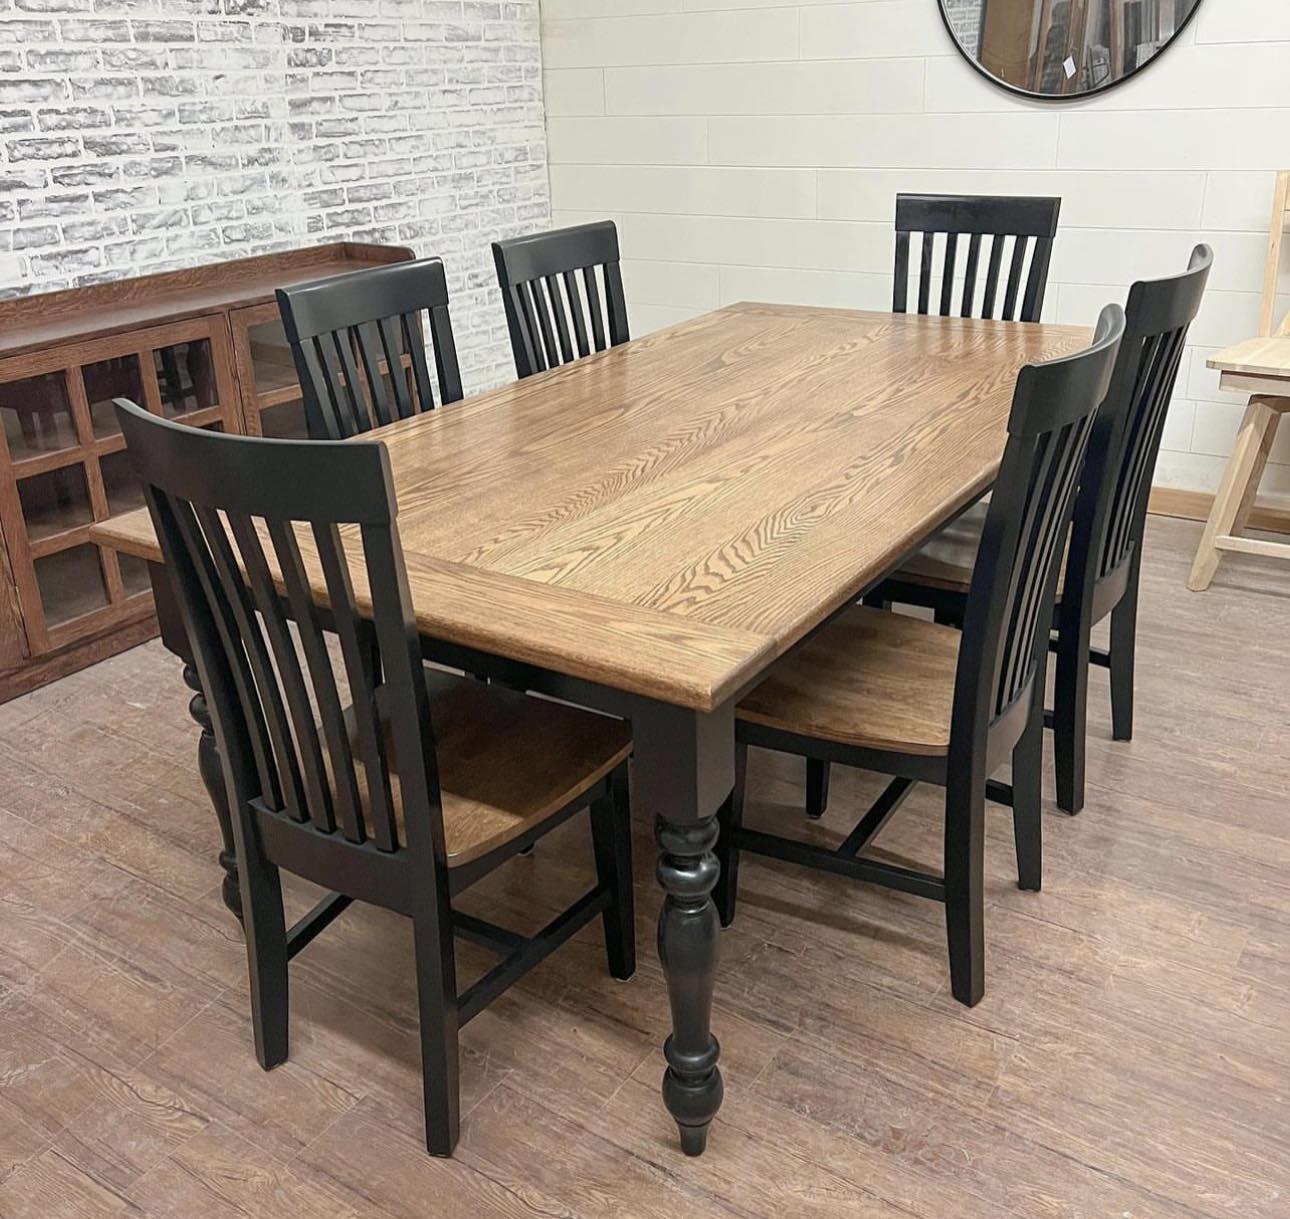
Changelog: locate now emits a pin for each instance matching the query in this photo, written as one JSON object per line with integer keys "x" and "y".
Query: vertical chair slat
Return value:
{"x": 309, "y": 749}
{"x": 542, "y": 312}
{"x": 1050, "y": 533}
{"x": 925, "y": 271}
{"x": 1032, "y": 506}
{"x": 366, "y": 342}
{"x": 322, "y": 409}
{"x": 593, "y": 304}
{"x": 414, "y": 342}
{"x": 947, "y": 273}
{"x": 900, "y": 279}
{"x": 446, "y": 358}
{"x": 1014, "y": 278}
{"x": 969, "y": 281}
{"x": 340, "y": 596}
{"x": 1147, "y": 435}
{"x": 391, "y": 331}
{"x": 357, "y": 418}
{"x": 615, "y": 302}
{"x": 321, "y": 671}
{"x": 561, "y": 323}
{"x": 269, "y": 693}
{"x": 189, "y": 534}
{"x": 992, "y": 276}
{"x": 1037, "y": 281}
{"x": 534, "y": 346}
{"x": 400, "y": 648}
{"x": 1117, "y": 533}
{"x": 310, "y": 630}
{"x": 529, "y": 348}
{"x": 575, "y": 312}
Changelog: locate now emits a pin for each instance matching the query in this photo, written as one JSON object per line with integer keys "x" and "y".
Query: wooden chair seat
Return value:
{"x": 872, "y": 679}
{"x": 507, "y": 761}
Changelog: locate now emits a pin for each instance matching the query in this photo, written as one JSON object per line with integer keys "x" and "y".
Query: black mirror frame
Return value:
{"x": 1059, "y": 97}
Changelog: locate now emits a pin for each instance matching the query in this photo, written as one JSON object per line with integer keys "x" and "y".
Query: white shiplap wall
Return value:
{"x": 751, "y": 149}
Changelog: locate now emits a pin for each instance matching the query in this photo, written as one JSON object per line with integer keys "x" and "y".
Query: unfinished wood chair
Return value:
{"x": 920, "y": 701}
{"x": 424, "y": 783}
{"x": 563, "y": 294}
{"x": 998, "y": 219}
{"x": 1261, "y": 368}
{"x": 1101, "y": 567}
{"x": 348, "y": 332}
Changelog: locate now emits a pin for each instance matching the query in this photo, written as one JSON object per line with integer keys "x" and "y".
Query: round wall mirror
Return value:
{"x": 1063, "y": 48}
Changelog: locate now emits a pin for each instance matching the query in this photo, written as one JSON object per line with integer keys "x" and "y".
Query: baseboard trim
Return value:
{"x": 1271, "y": 513}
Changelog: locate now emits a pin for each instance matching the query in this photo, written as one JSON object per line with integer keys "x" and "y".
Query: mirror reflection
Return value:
{"x": 1064, "y": 48}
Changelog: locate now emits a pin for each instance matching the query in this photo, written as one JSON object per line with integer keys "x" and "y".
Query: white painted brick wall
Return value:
{"x": 752, "y": 149}
{"x": 141, "y": 135}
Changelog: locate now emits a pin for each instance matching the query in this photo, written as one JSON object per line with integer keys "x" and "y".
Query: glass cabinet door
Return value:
{"x": 62, "y": 450}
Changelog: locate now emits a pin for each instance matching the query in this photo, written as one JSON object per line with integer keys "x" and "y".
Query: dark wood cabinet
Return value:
{"x": 203, "y": 346}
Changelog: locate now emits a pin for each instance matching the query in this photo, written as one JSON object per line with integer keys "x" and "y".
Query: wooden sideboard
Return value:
{"x": 203, "y": 346}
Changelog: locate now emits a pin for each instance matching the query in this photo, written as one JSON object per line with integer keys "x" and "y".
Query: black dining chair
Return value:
{"x": 1103, "y": 561}
{"x": 926, "y": 703}
{"x": 359, "y": 346}
{"x": 563, "y": 294}
{"x": 354, "y": 766}
{"x": 1030, "y": 224}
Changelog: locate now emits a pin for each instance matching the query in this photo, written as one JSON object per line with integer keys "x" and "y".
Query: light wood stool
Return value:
{"x": 1261, "y": 367}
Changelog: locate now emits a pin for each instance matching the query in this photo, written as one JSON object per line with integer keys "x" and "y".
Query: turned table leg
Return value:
{"x": 687, "y": 947}
{"x": 209, "y": 765}
{"x": 211, "y": 770}
{"x": 684, "y": 769}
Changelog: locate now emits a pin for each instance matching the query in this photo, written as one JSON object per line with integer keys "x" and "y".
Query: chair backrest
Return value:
{"x": 245, "y": 526}
{"x": 1010, "y": 602}
{"x": 1111, "y": 511}
{"x": 1029, "y": 223}
{"x": 547, "y": 279}
{"x": 370, "y": 320}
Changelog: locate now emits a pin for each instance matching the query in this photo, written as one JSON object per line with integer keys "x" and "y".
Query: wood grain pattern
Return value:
{"x": 1266, "y": 357}
{"x": 725, "y": 485}
{"x": 1129, "y": 1056}
{"x": 128, "y": 304}
{"x": 506, "y": 761}
{"x": 871, "y": 678}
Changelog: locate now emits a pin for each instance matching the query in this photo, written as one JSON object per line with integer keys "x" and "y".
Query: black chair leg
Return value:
{"x": 611, "y": 833}
{"x": 437, "y": 1000}
{"x": 817, "y": 788}
{"x": 729, "y": 819}
{"x": 1070, "y": 715}
{"x": 965, "y": 886}
{"x": 264, "y": 924}
{"x": 1124, "y": 632}
{"x": 1027, "y": 799}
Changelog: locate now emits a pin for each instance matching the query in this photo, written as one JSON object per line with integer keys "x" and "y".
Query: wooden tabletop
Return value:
{"x": 1266, "y": 357}
{"x": 669, "y": 516}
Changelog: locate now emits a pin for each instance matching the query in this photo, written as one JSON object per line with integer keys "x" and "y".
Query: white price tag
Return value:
{"x": 1069, "y": 65}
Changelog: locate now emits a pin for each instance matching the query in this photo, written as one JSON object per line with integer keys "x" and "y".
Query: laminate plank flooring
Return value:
{"x": 1129, "y": 1058}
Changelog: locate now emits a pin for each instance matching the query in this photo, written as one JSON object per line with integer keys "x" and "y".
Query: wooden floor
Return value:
{"x": 1130, "y": 1058}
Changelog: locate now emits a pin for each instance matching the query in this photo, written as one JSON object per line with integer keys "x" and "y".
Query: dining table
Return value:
{"x": 647, "y": 530}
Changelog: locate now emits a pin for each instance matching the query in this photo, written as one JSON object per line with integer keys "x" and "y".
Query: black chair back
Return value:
{"x": 1111, "y": 513}
{"x": 241, "y": 522}
{"x": 370, "y": 320}
{"x": 1030, "y": 224}
{"x": 547, "y": 279}
{"x": 1014, "y": 583}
